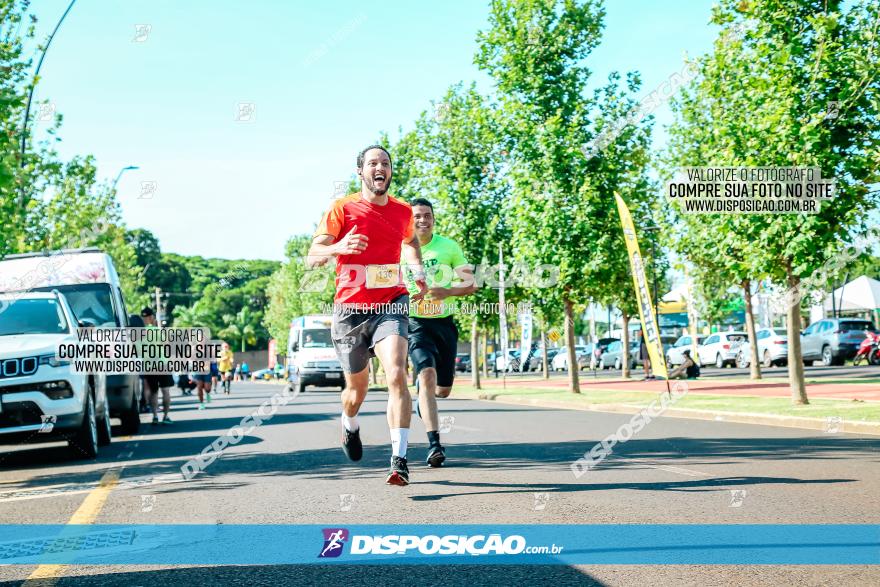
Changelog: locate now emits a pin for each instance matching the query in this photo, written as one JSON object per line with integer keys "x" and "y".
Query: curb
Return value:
{"x": 846, "y": 426}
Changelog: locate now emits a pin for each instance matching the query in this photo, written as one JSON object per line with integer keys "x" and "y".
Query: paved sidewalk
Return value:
{"x": 763, "y": 388}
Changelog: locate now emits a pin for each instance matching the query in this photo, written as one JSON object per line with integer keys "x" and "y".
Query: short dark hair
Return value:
{"x": 148, "y": 311}
{"x": 362, "y": 154}
{"x": 422, "y": 202}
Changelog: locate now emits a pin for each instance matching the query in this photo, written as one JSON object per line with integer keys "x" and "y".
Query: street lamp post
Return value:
{"x": 27, "y": 111}
{"x": 121, "y": 171}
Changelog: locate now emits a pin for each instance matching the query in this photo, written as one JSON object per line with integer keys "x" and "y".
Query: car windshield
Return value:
{"x": 90, "y": 302}
{"x": 316, "y": 338}
{"x": 856, "y": 325}
{"x": 780, "y": 331}
{"x": 33, "y": 317}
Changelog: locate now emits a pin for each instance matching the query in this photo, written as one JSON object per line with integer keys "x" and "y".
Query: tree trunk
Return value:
{"x": 624, "y": 340}
{"x": 795, "y": 357}
{"x": 544, "y": 362}
{"x": 754, "y": 366}
{"x": 475, "y": 354}
{"x": 485, "y": 354}
{"x": 573, "y": 369}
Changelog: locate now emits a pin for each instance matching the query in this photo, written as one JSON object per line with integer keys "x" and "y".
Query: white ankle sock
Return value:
{"x": 350, "y": 422}
{"x": 399, "y": 440}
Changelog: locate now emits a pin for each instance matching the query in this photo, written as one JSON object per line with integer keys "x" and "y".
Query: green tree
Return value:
{"x": 293, "y": 290}
{"x": 765, "y": 97}
{"x": 454, "y": 157}
{"x": 562, "y": 205}
{"x": 241, "y": 327}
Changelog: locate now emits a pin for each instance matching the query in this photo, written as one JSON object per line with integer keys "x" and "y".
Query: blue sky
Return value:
{"x": 324, "y": 78}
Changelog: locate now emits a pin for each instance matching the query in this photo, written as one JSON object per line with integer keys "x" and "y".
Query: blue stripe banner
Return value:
{"x": 736, "y": 544}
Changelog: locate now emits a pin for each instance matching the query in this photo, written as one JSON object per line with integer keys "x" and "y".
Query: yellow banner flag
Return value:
{"x": 650, "y": 331}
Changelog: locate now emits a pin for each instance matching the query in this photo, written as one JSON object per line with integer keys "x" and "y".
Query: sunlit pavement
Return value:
{"x": 507, "y": 464}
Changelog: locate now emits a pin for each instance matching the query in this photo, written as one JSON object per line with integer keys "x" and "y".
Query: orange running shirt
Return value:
{"x": 373, "y": 276}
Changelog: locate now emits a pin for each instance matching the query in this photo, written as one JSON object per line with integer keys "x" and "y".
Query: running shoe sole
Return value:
{"x": 396, "y": 478}
{"x": 436, "y": 458}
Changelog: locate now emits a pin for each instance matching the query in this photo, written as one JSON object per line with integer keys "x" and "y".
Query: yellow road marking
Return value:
{"x": 87, "y": 513}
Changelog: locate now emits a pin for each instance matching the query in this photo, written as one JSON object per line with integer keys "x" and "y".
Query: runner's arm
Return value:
{"x": 324, "y": 247}
{"x": 467, "y": 286}
{"x": 412, "y": 255}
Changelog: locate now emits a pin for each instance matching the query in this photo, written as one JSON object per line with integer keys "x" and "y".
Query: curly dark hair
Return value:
{"x": 360, "y": 157}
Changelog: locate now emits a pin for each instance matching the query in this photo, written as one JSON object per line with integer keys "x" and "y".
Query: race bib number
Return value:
{"x": 428, "y": 307}
{"x": 379, "y": 276}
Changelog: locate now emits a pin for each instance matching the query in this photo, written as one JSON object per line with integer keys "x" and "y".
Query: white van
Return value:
{"x": 41, "y": 398}
{"x": 310, "y": 353}
{"x": 89, "y": 282}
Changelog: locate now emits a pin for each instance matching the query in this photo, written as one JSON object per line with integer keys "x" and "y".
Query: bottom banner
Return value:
{"x": 746, "y": 544}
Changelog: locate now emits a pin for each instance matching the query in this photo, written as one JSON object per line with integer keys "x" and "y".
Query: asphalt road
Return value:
{"x": 508, "y": 464}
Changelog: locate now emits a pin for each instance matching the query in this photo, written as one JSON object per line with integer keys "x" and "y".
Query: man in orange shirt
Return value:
{"x": 366, "y": 232}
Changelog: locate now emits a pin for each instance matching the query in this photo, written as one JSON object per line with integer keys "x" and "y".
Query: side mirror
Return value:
{"x": 294, "y": 347}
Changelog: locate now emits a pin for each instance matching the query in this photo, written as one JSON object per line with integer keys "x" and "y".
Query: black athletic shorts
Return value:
{"x": 157, "y": 381}
{"x": 433, "y": 342}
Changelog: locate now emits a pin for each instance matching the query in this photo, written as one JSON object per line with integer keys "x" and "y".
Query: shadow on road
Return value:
{"x": 349, "y": 575}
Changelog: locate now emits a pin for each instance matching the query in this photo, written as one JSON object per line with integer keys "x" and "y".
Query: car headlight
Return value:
{"x": 52, "y": 361}
{"x": 310, "y": 365}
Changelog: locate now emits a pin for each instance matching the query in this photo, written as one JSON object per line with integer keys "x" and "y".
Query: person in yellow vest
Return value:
{"x": 225, "y": 364}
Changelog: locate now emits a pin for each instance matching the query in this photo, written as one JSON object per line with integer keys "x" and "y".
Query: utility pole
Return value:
{"x": 159, "y": 307}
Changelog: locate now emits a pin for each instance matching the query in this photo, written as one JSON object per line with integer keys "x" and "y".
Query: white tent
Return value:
{"x": 679, "y": 294}
{"x": 859, "y": 294}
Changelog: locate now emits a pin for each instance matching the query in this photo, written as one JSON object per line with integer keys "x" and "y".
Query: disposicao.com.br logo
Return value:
{"x": 402, "y": 544}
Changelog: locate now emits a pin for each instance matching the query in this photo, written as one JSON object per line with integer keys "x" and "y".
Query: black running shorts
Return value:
{"x": 433, "y": 342}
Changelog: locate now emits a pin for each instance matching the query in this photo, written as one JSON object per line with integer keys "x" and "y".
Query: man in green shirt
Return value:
{"x": 433, "y": 336}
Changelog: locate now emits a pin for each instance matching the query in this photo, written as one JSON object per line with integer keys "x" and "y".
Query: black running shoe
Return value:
{"x": 351, "y": 444}
{"x": 436, "y": 456}
{"x": 399, "y": 474}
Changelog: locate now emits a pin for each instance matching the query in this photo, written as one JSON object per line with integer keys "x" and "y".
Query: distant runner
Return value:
{"x": 154, "y": 383}
{"x": 365, "y": 232}
{"x": 227, "y": 358}
{"x": 433, "y": 335}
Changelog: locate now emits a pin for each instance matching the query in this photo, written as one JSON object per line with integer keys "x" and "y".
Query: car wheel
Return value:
{"x": 300, "y": 387}
{"x": 719, "y": 362}
{"x": 617, "y": 364}
{"x": 741, "y": 361}
{"x": 827, "y": 356}
{"x": 808, "y": 363}
{"x": 104, "y": 430}
{"x": 84, "y": 443}
{"x": 131, "y": 418}
{"x": 768, "y": 362}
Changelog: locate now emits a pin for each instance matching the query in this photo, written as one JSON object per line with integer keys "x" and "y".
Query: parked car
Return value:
{"x": 613, "y": 356}
{"x": 43, "y": 399}
{"x": 674, "y": 354}
{"x": 772, "y": 348}
{"x": 536, "y": 359}
{"x": 721, "y": 348}
{"x": 263, "y": 374}
{"x": 560, "y": 361}
{"x": 509, "y": 365}
{"x": 833, "y": 340}
{"x": 88, "y": 280}
{"x": 462, "y": 362}
{"x": 667, "y": 340}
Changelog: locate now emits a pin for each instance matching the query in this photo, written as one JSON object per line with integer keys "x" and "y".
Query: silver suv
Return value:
{"x": 833, "y": 340}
